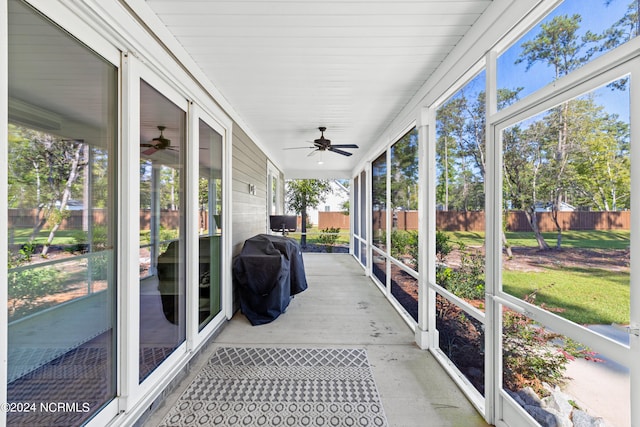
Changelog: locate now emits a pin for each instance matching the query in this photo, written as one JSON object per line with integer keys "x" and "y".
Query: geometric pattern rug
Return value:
{"x": 247, "y": 386}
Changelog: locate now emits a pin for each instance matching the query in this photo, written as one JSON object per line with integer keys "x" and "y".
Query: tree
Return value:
{"x": 45, "y": 171}
{"x": 623, "y": 29}
{"x": 523, "y": 155}
{"x": 404, "y": 172}
{"x": 306, "y": 193}
{"x": 461, "y": 150}
{"x": 601, "y": 161}
{"x": 558, "y": 46}
{"x": 449, "y": 121}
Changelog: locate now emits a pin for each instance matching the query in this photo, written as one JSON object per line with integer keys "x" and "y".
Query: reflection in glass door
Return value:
{"x": 162, "y": 282}
{"x": 210, "y": 223}
{"x": 62, "y": 225}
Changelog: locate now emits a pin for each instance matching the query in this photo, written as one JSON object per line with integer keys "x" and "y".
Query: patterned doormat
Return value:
{"x": 281, "y": 386}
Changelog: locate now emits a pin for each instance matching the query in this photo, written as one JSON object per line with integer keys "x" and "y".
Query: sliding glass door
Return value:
{"x": 62, "y": 224}
{"x": 210, "y": 226}
{"x": 162, "y": 221}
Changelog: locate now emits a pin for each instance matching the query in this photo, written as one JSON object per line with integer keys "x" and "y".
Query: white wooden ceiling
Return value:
{"x": 290, "y": 66}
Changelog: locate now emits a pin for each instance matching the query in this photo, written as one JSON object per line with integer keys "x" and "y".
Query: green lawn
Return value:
{"x": 585, "y": 296}
{"x": 314, "y": 233}
{"x": 594, "y": 239}
{"x": 21, "y": 236}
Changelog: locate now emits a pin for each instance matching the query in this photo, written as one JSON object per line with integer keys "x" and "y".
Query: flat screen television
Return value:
{"x": 283, "y": 223}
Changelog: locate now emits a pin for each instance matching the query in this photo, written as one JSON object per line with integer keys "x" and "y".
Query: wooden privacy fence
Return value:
{"x": 403, "y": 220}
{"x": 515, "y": 220}
{"x": 333, "y": 220}
{"x": 28, "y": 218}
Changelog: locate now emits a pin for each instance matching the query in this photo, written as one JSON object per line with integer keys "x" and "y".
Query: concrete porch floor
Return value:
{"x": 344, "y": 308}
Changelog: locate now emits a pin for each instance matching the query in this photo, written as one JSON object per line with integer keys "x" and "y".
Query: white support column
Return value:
{"x": 369, "y": 218}
{"x": 493, "y": 245}
{"x": 128, "y": 253}
{"x": 388, "y": 223}
{"x": 427, "y": 229}
{"x": 634, "y": 338}
{"x": 227, "y": 214}
{"x": 352, "y": 218}
{"x": 192, "y": 214}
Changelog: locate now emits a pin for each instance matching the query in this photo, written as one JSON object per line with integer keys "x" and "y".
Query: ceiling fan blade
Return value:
{"x": 345, "y": 146}
{"x": 312, "y": 153}
{"x": 147, "y": 145}
{"x": 335, "y": 150}
{"x": 149, "y": 151}
{"x": 297, "y": 148}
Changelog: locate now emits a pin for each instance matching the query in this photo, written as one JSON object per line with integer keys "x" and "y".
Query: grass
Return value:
{"x": 313, "y": 235}
{"x": 592, "y": 239}
{"x": 584, "y": 296}
{"x": 63, "y": 237}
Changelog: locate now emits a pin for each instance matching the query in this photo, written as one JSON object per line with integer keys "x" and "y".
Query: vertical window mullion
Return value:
{"x": 388, "y": 222}
{"x": 493, "y": 243}
{"x": 129, "y": 234}
{"x": 634, "y": 338}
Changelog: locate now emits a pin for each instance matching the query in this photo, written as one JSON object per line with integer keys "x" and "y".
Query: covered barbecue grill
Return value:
{"x": 268, "y": 272}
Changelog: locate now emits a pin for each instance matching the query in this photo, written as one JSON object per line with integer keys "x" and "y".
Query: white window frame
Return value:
{"x": 611, "y": 66}
{"x": 277, "y": 209}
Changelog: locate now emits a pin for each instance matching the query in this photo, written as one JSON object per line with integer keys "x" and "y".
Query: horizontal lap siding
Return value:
{"x": 249, "y": 210}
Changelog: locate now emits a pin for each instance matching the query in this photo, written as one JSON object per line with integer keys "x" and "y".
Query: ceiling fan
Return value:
{"x": 158, "y": 143}
{"x": 323, "y": 144}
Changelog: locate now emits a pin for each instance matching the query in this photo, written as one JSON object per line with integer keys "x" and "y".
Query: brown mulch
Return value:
{"x": 462, "y": 337}
{"x": 534, "y": 259}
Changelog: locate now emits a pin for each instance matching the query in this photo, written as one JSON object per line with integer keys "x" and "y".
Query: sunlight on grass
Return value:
{"x": 585, "y": 296}
{"x": 593, "y": 239}
{"x": 313, "y": 235}
{"x": 20, "y": 236}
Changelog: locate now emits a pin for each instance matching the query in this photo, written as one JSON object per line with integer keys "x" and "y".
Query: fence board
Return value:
{"x": 475, "y": 220}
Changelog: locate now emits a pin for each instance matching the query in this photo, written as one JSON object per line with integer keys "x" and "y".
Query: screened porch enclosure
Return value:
{"x": 493, "y": 200}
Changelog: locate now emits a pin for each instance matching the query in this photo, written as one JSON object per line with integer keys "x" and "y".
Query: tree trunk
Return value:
{"x": 554, "y": 215}
{"x": 66, "y": 195}
{"x": 303, "y": 234}
{"x": 506, "y": 245}
{"x": 41, "y": 216}
{"x": 532, "y": 217}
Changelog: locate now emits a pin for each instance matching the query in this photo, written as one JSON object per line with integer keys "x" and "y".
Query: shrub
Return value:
{"x": 399, "y": 243}
{"x": 27, "y": 285}
{"x": 533, "y": 355}
{"x": 405, "y": 243}
{"x": 443, "y": 245}
{"x": 444, "y": 275}
{"x": 468, "y": 281}
{"x": 328, "y": 237}
{"x": 529, "y": 357}
{"x": 412, "y": 249}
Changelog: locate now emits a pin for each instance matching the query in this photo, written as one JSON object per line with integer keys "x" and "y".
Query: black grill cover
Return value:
{"x": 268, "y": 271}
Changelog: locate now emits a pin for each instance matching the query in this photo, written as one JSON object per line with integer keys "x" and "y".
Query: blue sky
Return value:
{"x": 597, "y": 17}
